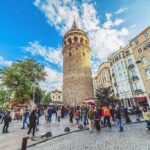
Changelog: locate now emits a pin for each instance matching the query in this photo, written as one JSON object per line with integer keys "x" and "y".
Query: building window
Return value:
{"x": 148, "y": 72}
{"x": 148, "y": 45}
{"x": 144, "y": 60}
{"x": 119, "y": 67}
{"x": 69, "y": 54}
{"x": 130, "y": 61}
{"x": 122, "y": 64}
{"x": 133, "y": 72}
{"x": 139, "y": 50}
{"x": 136, "y": 42}
{"x": 83, "y": 54}
{"x": 69, "y": 40}
{"x": 145, "y": 35}
{"x": 127, "y": 53}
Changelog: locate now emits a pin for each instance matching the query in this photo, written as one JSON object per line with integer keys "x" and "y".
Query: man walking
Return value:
{"x": 7, "y": 120}
{"x": 25, "y": 118}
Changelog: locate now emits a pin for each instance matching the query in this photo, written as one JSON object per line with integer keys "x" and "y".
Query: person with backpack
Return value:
{"x": 32, "y": 122}
{"x": 107, "y": 115}
{"x": 7, "y": 120}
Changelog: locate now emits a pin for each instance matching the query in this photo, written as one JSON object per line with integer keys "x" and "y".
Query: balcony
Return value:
{"x": 117, "y": 94}
{"x": 135, "y": 78}
{"x": 113, "y": 74}
{"x": 138, "y": 91}
{"x": 115, "y": 84}
{"x": 131, "y": 66}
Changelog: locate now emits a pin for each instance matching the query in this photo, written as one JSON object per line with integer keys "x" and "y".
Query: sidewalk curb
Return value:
{"x": 78, "y": 130}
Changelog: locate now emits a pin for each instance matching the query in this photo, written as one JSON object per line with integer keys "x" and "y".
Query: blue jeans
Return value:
{"x": 148, "y": 124}
{"x": 120, "y": 124}
{"x": 25, "y": 121}
{"x": 49, "y": 118}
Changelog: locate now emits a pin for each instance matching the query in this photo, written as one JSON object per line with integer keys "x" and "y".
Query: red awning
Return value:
{"x": 140, "y": 99}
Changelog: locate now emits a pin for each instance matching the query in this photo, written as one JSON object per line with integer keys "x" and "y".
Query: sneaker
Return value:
{"x": 22, "y": 128}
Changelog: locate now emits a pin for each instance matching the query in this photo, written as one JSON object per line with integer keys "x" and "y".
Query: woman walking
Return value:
{"x": 97, "y": 119}
{"x": 91, "y": 120}
{"x": 32, "y": 122}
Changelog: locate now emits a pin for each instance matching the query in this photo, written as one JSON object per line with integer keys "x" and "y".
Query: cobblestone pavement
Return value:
{"x": 12, "y": 140}
{"x": 135, "y": 137}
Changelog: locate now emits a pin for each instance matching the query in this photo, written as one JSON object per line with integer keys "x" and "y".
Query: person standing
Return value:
{"x": 32, "y": 122}
{"x": 58, "y": 114}
{"x": 119, "y": 119}
{"x": 7, "y": 120}
{"x": 91, "y": 120}
{"x": 50, "y": 112}
{"x": 107, "y": 115}
{"x": 146, "y": 116}
{"x": 97, "y": 119}
{"x": 25, "y": 118}
{"x": 71, "y": 113}
{"x": 46, "y": 114}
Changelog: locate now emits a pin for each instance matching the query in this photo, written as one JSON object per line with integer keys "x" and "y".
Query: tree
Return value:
{"x": 46, "y": 99}
{"x": 21, "y": 77}
{"x": 106, "y": 95}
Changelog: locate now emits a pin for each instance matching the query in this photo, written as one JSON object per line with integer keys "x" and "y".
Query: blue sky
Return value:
{"x": 35, "y": 28}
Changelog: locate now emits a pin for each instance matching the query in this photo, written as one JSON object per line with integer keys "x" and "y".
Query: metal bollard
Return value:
{"x": 24, "y": 143}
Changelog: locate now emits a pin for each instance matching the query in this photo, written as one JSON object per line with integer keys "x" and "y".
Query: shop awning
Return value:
{"x": 140, "y": 99}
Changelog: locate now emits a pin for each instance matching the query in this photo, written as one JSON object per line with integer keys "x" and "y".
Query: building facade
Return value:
{"x": 103, "y": 75}
{"x": 77, "y": 75}
{"x": 56, "y": 96}
{"x": 126, "y": 79}
{"x": 141, "y": 50}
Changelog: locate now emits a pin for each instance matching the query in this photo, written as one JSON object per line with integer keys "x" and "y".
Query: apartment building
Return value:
{"x": 141, "y": 49}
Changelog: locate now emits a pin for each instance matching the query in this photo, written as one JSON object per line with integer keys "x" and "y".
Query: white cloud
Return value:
{"x": 120, "y": 10}
{"x": 49, "y": 54}
{"x": 104, "y": 37}
{"x": 5, "y": 62}
{"x": 53, "y": 80}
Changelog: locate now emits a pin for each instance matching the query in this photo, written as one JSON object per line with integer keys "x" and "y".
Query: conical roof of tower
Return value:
{"x": 75, "y": 28}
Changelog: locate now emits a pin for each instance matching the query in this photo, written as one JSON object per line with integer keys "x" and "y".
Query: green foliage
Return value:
{"x": 46, "y": 98}
{"x": 106, "y": 96}
{"x": 21, "y": 77}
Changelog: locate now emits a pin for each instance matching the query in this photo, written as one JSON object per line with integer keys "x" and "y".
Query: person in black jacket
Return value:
{"x": 32, "y": 122}
{"x": 7, "y": 120}
{"x": 119, "y": 119}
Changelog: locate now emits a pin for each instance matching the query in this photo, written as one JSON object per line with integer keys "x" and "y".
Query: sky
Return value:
{"x": 35, "y": 29}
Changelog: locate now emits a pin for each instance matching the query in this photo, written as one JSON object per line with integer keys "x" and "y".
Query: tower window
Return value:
{"x": 81, "y": 40}
{"x": 86, "y": 42}
{"x": 69, "y": 54}
{"x": 69, "y": 40}
{"x": 83, "y": 54}
{"x": 75, "y": 40}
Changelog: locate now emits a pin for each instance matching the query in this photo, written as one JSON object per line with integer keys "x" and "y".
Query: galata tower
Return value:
{"x": 77, "y": 75}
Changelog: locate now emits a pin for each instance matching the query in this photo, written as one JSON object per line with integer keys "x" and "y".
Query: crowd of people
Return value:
{"x": 90, "y": 116}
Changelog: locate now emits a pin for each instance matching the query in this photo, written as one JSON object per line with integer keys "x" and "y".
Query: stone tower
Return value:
{"x": 77, "y": 76}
